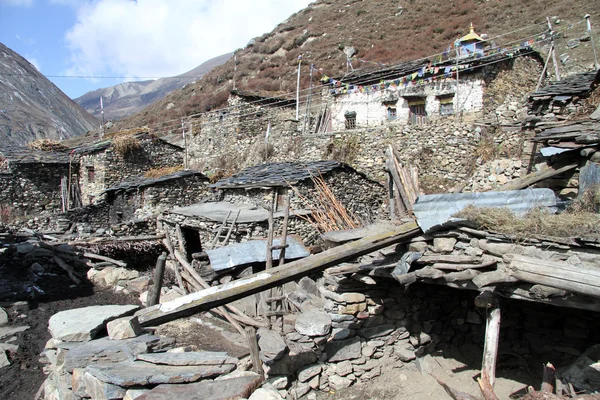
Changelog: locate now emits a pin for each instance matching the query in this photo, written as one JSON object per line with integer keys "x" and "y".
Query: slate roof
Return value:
{"x": 276, "y": 174}
{"x": 141, "y": 181}
{"x": 580, "y": 134}
{"x": 26, "y": 155}
{"x": 574, "y": 85}
{"x": 264, "y": 98}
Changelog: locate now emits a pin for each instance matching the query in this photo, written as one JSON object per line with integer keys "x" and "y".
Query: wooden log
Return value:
{"x": 84, "y": 254}
{"x": 159, "y": 272}
{"x": 577, "y": 279}
{"x": 343, "y": 269}
{"x": 76, "y": 278}
{"x": 397, "y": 181}
{"x": 429, "y": 273}
{"x": 535, "y": 177}
{"x": 264, "y": 280}
{"x": 485, "y": 262}
{"x": 465, "y": 275}
{"x": 449, "y": 258}
{"x": 254, "y": 352}
{"x": 487, "y": 390}
{"x": 243, "y": 318}
{"x": 492, "y": 336}
{"x": 544, "y": 292}
{"x": 169, "y": 245}
{"x": 494, "y": 277}
{"x": 181, "y": 241}
{"x": 406, "y": 279}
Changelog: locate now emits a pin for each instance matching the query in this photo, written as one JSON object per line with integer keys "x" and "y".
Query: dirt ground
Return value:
{"x": 407, "y": 382}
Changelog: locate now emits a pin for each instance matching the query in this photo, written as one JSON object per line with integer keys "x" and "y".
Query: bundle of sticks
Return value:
{"x": 403, "y": 184}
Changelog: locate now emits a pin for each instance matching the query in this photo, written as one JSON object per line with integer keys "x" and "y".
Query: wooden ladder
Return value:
{"x": 224, "y": 226}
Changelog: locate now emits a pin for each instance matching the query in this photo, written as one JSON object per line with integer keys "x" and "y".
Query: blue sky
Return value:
{"x": 127, "y": 38}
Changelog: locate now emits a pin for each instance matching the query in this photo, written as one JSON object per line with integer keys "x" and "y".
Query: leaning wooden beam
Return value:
{"x": 228, "y": 292}
{"x": 159, "y": 273}
{"x": 76, "y": 278}
{"x": 536, "y": 177}
{"x": 455, "y": 394}
{"x": 243, "y": 318}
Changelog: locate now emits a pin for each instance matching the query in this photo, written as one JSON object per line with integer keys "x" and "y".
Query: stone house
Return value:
{"x": 103, "y": 164}
{"x": 246, "y": 193}
{"x": 418, "y": 91}
{"x": 33, "y": 181}
{"x": 248, "y": 116}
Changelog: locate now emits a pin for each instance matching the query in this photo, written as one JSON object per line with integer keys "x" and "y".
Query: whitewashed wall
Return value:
{"x": 372, "y": 111}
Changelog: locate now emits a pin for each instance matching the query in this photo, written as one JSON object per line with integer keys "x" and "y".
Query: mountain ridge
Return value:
{"x": 131, "y": 97}
{"x": 32, "y": 107}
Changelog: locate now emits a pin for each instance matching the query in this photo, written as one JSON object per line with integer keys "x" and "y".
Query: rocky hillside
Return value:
{"x": 376, "y": 33}
{"x": 131, "y": 97}
{"x": 32, "y": 107}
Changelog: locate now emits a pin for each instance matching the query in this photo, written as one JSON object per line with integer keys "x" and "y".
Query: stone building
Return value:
{"x": 104, "y": 164}
{"x": 418, "y": 91}
{"x": 244, "y": 197}
{"x": 33, "y": 181}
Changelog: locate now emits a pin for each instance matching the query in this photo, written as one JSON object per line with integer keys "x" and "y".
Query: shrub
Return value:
{"x": 46, "y": 145}
{"x": 343, "y": 150}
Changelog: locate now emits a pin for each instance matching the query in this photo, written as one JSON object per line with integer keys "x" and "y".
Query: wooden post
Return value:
{"x": 545, "y": 67}
{"x": 254, "y": 352}
{"x": 391, "y": 196}
{"x": 553, "y": 49}
{"x": 159, "y": 272}
{"x": 490, "y": 302}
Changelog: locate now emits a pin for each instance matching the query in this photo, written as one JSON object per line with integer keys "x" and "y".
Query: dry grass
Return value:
{"x": 125, "y": 145}
{"x": 536, "y": 222}
{"x": 46, "y": 145}
{"x": 158, "y": 172}
{"x": 126, "y": 132}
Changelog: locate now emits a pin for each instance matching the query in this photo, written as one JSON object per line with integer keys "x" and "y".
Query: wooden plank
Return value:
{"x": 159, "y": 272}
{"x": 231, "y": 291}
{"x": 449, "y": 258}
{"x": 535, "y": 177}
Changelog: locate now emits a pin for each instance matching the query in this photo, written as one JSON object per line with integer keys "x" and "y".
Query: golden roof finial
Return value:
{"x": 472, "y": 28}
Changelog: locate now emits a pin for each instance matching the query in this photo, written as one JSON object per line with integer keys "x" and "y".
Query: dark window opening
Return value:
{"x": 192, "y": 244}
{"x": 91, "y": 174}
{"x": 350, "y": 119}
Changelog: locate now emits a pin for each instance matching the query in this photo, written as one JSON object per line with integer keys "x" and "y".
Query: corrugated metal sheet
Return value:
{"x": 253, "y": 251}
{"x": 436, "y": 209}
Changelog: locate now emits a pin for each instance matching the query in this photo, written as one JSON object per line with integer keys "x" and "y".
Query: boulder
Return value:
{"x": 308, "y": 372}
{"x": 264, "y": 394}
{"x": 124, "y": 328}
{"x": 313, "y": 322}
{"x": 337, "y": 382}
{"x": 3, "y": 317}
{"x": 83, "y": 324}
{"x": 133, "y": 394}
{"x": 4, "y": 362}
{"x": 6, "y": 331}
{"x": 97, "y": 389}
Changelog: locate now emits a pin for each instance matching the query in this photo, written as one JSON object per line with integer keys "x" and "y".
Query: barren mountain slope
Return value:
{"x": 131, "y": 97}
{"x": 32, "y": 107}
{"x": 382, "y": 31}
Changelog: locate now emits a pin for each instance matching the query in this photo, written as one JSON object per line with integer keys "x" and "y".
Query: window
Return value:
{"x": 392, "y": 113}
{"x": 91, "y": 174}
{"x": 350, "y": 119}
{"x": 447, "y": 105}
{"x": 418, "y": 115}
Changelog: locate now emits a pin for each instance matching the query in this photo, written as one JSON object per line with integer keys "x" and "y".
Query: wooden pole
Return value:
{"x": 591, "y": 32}
{"x": 391, "y": 196}
{"x": 159, "y": 272}
{"x": 261, "y": 281}
{"x": 254, "y": 352}
{"x": 490, "y": 302}
{"x": 545, "y": 67}
{"x": 553, "y": 48}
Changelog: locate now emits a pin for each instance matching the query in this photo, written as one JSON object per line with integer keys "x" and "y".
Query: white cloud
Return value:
{"x": 26, "y": 3}
{"x": 158, "y": 38}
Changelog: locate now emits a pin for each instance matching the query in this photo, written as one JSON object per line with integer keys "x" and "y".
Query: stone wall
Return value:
{"x": 29, "y": 189}
{"x": 110, "y": 168}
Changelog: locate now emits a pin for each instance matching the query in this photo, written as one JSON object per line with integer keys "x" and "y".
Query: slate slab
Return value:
{"x": 6, "y": 331}
{"x": 189, "y": 358}
{"x": 80, "y": 355}
{"x": 232, "y": 388}
{"x": 137, "y": 373}
{"x": 313, "y": 322}
{"x": 271, "y": 344}
{"x": 96, "y": 389}
{"x": 3, "y": 317}
{"x": 340, "y": 350}
{"x": 83, "y": 324}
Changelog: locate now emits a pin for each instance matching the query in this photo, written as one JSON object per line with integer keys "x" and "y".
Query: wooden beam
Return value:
{"x": 492, "y": 337}
{"x": 159, "y": 272}
{"x": 231, "y": 291}
{"x": 535, "y": 177}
